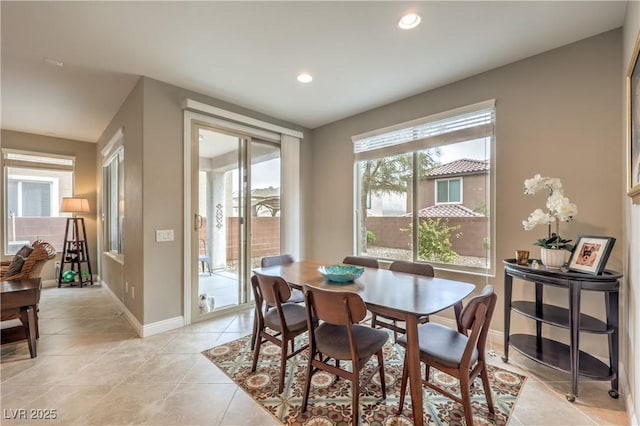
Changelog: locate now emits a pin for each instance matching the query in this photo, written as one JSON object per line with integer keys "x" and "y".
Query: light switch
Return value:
{"x": 163, "y": 235}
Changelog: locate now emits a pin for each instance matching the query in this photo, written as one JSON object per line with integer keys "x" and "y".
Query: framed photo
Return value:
{"x": 590, "y": 254}
{"x": 633, "y": 124}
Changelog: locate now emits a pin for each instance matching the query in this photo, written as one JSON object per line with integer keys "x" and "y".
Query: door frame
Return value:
{"x": 289, "y": 140}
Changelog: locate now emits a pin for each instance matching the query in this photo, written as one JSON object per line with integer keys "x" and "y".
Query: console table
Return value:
{"x": 568, "y": 358}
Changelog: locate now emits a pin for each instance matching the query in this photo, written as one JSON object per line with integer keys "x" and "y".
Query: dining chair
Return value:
{"x": 368, "y": 262}
{"x": 340, "y": 337}
{"x": 296, "y": 295}
{"x": 459, "y": 353}
{"x": 203, "y": 256}
{"x": 287, "y": 320}
{"x": 415, "y": 268}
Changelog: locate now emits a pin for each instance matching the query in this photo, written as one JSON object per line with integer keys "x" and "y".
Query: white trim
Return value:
{"x": 162, "y": 326}
{"x": 112, "y": 146}
{"x": 186, "y": 248}
{"x": 37, "y": 154}
{"x": 219, "y": 112}
{"x": 137, "y": 327}
{"x": 235, "y": 128}
{"x": 147, "y": 329}
{"x": 433, "y": 117}
{"x": 290, "y": 205}
{"x": 625, "y": 390}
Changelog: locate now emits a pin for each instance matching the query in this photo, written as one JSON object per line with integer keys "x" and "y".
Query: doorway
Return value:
{"x": 236, "y": 194}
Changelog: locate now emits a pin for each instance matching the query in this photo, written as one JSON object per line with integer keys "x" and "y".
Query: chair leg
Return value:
{"x": 374, "y": 320}
{"x": 381, "y": 372}
{"x": 283, "y": 364}
{"x": 307, "y": 382}
{"x": 403, "y": 386}
{"x": 355, "y": 400}
{"x": 254, "y": 333}
{"x": 487, "y": 389}
{"x": 256, "y": 351}
{"x": 395, "y": 332}
{"x": 466, "y": 399}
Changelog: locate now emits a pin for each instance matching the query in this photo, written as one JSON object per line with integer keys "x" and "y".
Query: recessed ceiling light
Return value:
{"x": 409, "y": 21}
{"x": 305, "y": 78}
{"x": 54, "y": 62}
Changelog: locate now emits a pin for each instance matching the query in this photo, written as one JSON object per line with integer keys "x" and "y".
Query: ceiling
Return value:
{"x": 249, "y": 53}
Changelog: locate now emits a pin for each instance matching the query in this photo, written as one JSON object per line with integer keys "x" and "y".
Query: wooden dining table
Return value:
{"x": 397, "y": 295}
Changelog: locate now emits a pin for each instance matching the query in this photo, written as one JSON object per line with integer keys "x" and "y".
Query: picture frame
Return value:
{"x": 590, "y": 254}
{"x": 633, "y": 124}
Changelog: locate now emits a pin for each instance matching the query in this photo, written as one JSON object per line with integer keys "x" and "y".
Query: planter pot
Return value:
{"x": 552, "y": 258}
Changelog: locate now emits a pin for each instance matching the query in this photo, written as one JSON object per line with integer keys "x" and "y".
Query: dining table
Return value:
{"x": 398, "y": 295}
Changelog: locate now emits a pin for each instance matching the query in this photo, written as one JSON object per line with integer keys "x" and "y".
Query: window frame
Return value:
{"x": 38, "y": 161}
{"x": 112, "y": 215}
{"x": 403, "y": 144}
{"x": 448, "y": 180}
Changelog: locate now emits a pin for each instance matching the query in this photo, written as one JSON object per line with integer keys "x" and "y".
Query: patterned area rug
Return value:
{"x": 330, "y": 400}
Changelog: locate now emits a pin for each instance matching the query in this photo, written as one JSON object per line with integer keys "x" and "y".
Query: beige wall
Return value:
{"x": 84, "y": 184}
{"x": 153, "y": 118}
{"x": 631, "y": 294}
{"x": 558, "y": 114}
{"x": 115, "y": 274}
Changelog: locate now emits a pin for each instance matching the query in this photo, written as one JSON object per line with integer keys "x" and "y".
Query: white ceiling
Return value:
{"x": 249, "y": 53}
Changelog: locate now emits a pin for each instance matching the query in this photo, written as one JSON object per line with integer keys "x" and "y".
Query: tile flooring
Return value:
{"x": 92, "y": 370}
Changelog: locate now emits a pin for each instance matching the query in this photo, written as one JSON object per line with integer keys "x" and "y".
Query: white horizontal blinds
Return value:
{"x": 37, "y": 161}
{"x": 473, "y": 122}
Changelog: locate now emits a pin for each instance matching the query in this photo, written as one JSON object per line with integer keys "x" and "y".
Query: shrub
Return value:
{"x": 371, "y": 237}
{"x": 434, "y": 240}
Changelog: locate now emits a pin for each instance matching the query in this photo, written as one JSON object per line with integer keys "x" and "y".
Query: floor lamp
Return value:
{"x": 75, "y": 251}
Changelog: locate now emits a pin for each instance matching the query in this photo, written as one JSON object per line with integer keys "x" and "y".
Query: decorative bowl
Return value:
{"x": 340, "y": 273}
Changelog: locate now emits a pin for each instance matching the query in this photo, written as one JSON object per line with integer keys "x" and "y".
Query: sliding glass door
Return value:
{"x": 236, "y": 214}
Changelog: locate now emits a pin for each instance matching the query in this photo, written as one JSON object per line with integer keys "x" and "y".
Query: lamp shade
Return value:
{"x": 74, "y": 205}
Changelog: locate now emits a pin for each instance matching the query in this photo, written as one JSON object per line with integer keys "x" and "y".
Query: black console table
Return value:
{"x": 568, "y": 358}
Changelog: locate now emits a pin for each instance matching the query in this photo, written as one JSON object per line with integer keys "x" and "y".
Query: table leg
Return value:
{"x": 611, "y": 299}
{"x": 574, "y": 331}
{"x": 413, "y": 361}
{"x": 508, "y": 286}
{"x": 28, "y": 319}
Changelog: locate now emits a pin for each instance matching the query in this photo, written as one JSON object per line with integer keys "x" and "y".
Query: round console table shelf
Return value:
{"x": 560, "y": 356}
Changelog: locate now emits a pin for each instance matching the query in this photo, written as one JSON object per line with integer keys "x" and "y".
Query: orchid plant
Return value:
{"x": 559, "y": 209}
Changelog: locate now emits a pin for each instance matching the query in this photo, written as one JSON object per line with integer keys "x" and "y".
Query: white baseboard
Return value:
{"x": 626, "y": 391}
{"x": 162, "y": 326}
{"x": 127, "y": 313}
{"x": 147, "y": 329}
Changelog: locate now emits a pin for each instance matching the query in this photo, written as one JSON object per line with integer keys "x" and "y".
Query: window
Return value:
{"x": 449, "y": 191}
{"x": 423, "y": 190}
{"x": 113, "y": 195}
{"x": 34, "y": 185}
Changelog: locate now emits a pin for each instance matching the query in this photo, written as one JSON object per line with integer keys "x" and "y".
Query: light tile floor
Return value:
{"x": 92, "y": 370}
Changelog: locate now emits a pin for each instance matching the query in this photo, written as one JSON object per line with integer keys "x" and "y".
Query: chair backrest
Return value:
{"x": 476, "y": 316}
{"x": 416, "y": 268}
{"x": 33, "y": 264}
{"x": 334, "y": 307}
{"x": 368, "y": 262}
{"x": 203, "y": 247}
{"x": 276, "y": 260}
{"x": 272, "y": 290}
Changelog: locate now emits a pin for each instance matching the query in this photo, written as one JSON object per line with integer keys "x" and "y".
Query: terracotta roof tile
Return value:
{"x": 446, "y": 210}
{"x": 457, "y": 167}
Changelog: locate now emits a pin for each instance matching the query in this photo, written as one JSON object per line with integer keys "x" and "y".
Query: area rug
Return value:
{"x": 330, "y": 399}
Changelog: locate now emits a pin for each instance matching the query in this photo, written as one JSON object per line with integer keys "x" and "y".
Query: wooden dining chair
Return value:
{"x": 340, "y": 337}
{"x": 459, "y": 353}
{"x": 296, "y": 295}
{"x": 368, "y": 262}
{"x": 285, "y": 320}
{"x": 415, "y": 268}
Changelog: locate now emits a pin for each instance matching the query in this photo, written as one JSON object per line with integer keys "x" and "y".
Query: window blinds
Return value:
{"x": 466, "y": 123}
{"x": 37, "y": 161}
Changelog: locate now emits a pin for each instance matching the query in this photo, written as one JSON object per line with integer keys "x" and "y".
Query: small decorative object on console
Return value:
{"x": 591, "y": 254}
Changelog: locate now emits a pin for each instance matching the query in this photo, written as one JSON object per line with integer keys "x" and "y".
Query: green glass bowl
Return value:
{"x": 340, "y": 273}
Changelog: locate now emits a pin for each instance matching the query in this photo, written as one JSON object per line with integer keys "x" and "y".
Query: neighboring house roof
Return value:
{"x": 460, "y": 167}
{"x": 446, "y": 210}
